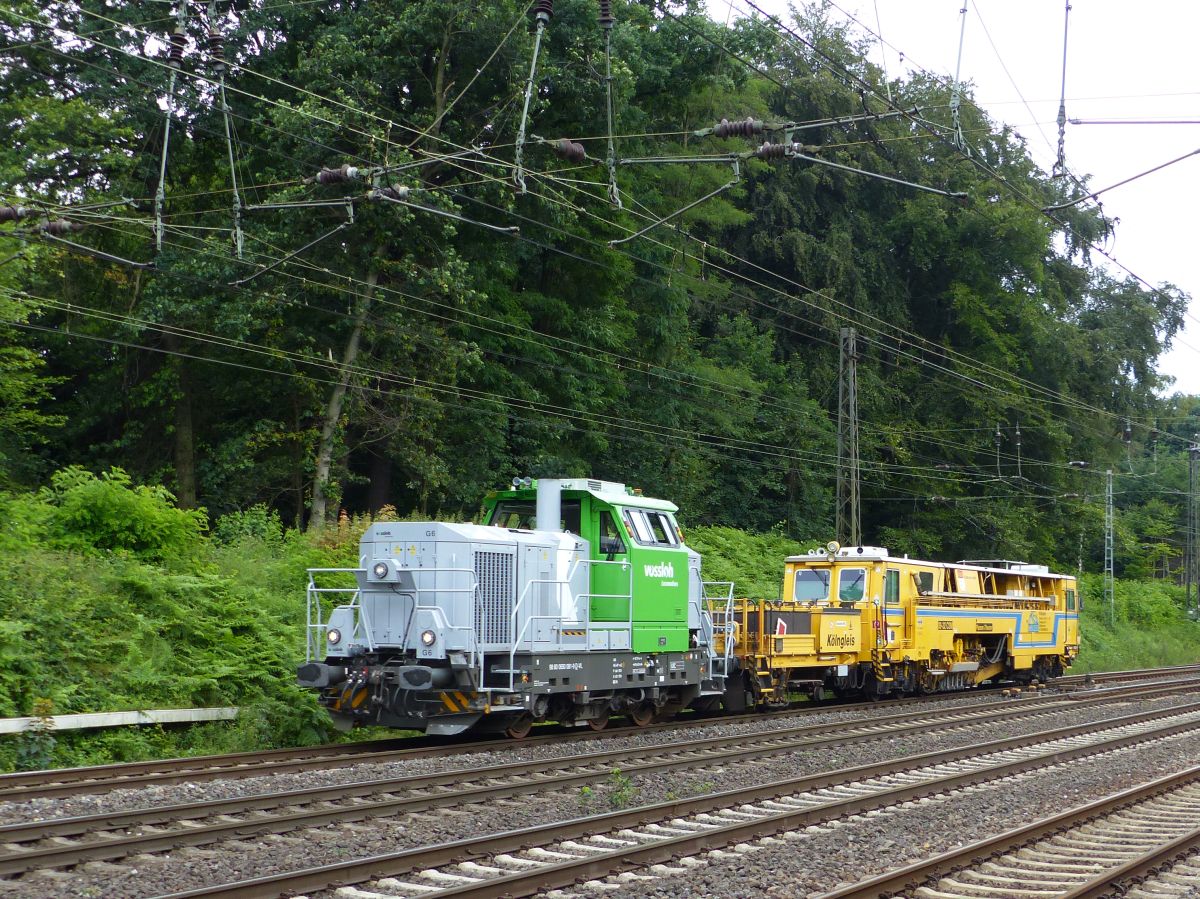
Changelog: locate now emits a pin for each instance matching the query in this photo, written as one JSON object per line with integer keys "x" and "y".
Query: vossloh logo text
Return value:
{"x": 663, "y": 569}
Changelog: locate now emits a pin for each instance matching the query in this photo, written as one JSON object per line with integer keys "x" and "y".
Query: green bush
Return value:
{"x": 110, "y": 513}
{"x": 256, "y": 523}
{"x": 754, "y": 562}
{"x": 113, "y": 599}
{"x": 1146, "y": 627}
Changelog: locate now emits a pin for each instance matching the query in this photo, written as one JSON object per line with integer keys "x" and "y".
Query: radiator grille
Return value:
{"x": 493, "y": 615}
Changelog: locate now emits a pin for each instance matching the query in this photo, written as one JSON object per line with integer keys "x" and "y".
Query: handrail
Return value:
{"x": 363, "y": 622}
{"x": 588, "y": 595}
{"x": 727, "y": 620}
{"x": 313, "y": 601}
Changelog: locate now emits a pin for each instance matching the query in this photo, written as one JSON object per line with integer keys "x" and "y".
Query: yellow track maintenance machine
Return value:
{"x": 856, "y": 620}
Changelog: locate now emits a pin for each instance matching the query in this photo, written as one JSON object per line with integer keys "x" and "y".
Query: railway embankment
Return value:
{"x": 164, "y": 613}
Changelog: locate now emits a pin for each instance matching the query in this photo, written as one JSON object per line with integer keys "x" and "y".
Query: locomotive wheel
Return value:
{"x": 643, "y": 714}
{"x": 598, "y": 724}
{"x": 520, "y": 728}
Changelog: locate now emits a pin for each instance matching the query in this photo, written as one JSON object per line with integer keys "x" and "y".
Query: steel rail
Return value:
{"x": 912, "y": 876}
{"x": 1138, "y": 868}
{"x": 571, "y": 771}
{"x": 759, "y": 745}
{"x": 566, "y": 873}
{"x": 540, "y": 775}
{"x": 66, "y": 782}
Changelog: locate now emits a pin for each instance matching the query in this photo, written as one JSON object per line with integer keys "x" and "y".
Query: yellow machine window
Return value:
{"x": 852, "y": 584}
{"x": 891, "y": 587}
{"x": 812, "y": 585}
{"x": 1070, "y": 600}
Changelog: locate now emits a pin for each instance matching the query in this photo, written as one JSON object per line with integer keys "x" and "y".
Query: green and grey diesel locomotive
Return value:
{"x": 573, "y": 601}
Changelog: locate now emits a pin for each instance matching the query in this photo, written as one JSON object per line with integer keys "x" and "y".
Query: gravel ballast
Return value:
{"x": 253, "y": 857}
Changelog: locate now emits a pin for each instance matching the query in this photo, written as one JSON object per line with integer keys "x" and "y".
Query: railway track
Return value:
{"x": 665, "y": 839}
{"x": 65, "y": 782}
{"x": 69, "y": 842}
{"x": 113, "y": 835}
{"x": 1142, "y": 842}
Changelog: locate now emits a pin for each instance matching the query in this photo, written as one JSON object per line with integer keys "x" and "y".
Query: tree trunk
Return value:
{"x": 185, "y": 434}
{"x": 440, "y": 88}
{"x": 333, "y": 410}
{"x": 379, "y": 491}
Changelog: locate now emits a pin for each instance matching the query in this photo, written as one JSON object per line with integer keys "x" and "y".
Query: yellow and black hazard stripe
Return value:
{"x": 574, "y": 633}
{"x": 456, "y": 701}
{"x": 349, "y": 696}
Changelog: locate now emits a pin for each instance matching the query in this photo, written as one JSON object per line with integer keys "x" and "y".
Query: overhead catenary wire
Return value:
{"x": 1122, "y": 183}
{"x": 758, "y": 447}
{"x": 1095, "y": 247}
{"x": 345, "y": 104}
{"x": 973, "y": 158}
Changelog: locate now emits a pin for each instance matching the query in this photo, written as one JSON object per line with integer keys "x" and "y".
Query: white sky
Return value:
{"x": 1125, "y": 60}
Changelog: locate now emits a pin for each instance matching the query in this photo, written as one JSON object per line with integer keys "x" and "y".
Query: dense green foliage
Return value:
{"x": 753, "y": 562}
{"x": 1145, "y": 628}
{"x": 416, "y": 361}
{"x": 108, "y": 624}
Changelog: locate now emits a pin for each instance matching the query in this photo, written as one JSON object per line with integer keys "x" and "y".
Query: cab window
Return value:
{"x": 812, "y": 585}
{"x": 635, "y": 522}
{"x": 1070, "y": 600}
{"x": 661, "y": 528}
{"x": 650, "y": 528}
{"x": 891, "y": 587}
{"x": 520, "y": 514}
{"x": 611, "y": 541}
{"x": 852, "y": 584}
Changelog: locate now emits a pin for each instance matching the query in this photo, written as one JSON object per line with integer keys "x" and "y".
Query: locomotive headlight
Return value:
{"x": 428, "y": 638}
{"x": 333, "y": 636}
{"x": 380, "y": 570}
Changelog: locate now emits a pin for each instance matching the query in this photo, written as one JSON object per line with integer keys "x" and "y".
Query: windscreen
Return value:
{"x": 812, "y": 584}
